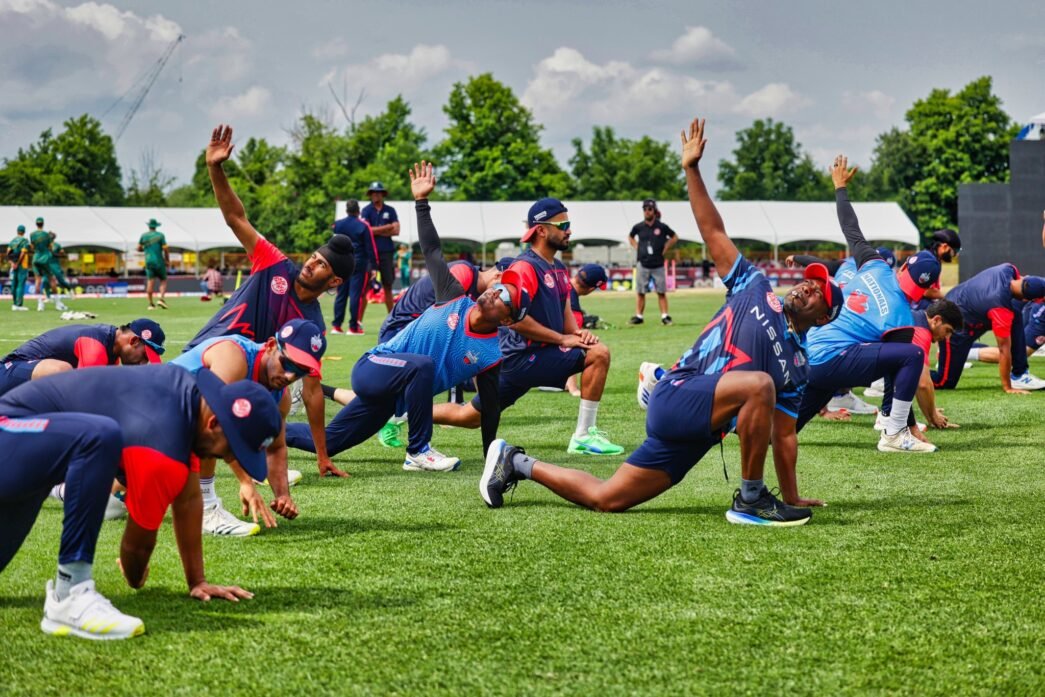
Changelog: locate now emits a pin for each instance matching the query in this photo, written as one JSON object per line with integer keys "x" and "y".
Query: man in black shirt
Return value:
{"x": 652, "y": 239}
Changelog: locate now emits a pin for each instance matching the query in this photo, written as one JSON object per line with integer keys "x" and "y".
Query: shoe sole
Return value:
{"x": 407, "y": 467}
{"x": 254, "y": 530}
{"x": 581, "y": 451}
{"x": 888, "y": 449}
{"x": 492, "y": 456}
{"x": 738, "y": 518}
{"x": 59, "y": 629}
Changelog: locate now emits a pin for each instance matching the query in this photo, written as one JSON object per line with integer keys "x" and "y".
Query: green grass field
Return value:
{"x": 922, "y": 576}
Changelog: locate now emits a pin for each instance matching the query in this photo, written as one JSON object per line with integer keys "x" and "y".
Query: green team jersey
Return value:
{"x": 41, "y": 241}
{"x": 153, "y": 243}
{"x": 16, "y": 247}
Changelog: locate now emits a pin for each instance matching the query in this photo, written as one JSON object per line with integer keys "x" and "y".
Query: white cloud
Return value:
{"x": 250, "y": 103}
{"x": 698, "y": 47}
{"x": 391, "y": 73}
{"x": 773, "y": 101}
{"x": 875, "y": 102}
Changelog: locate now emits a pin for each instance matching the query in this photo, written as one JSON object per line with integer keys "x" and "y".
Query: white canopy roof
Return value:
{"x": 609, "y": 222}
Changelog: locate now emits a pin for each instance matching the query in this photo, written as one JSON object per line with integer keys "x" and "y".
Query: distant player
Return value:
{"x": 145, "y": 427}
{"x": 40, "y": 245}
{"x": 746, "y": 370}
{"x": 587, "y": 280}
{"x": 157, "y": 259}
{"x": 547, "y": 347}
{"x": 276, "y": 291}
{"x": 293, "y": 353}
{"x": 384, "y": 224}
{"x": 18, "y": 256}
{"x": 352, "y": 292}
{"x": 58, "y": 279}
{"x": 451, "y": 342}
{"x": 652, "y": 240}
{"x": 81, "y": 346}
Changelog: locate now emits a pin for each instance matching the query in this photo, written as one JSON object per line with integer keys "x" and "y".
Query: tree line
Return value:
{"x": 492, "y": 152}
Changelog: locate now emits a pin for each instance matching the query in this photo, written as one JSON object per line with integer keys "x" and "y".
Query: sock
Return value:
{"x": 750, "y": 489}
{"x": 70, "y": 575}
{"x": 207, "y": 489}
{"x": 639, "y": 315}
{"x": 399, "y": 419}
{"x": 974, "y": 354}
{"x": 659, "y": 372}
{"x": 586, "y": 417}
{"x": 523, "y": 464}
{"x": 328, "y": 391}
{"x": 663, "y": 315}
{"x": 897, "y": 419}
{"x": 58, "y": 491}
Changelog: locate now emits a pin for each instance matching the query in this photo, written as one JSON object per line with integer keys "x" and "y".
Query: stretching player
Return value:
{"x": 293, "y": 353}
{"x": 276, "y": 291}
{"x": 1033, "y": 333}
{"x": 547, "y": 347}
{"x": 81, "y": 346}
{"x": 146, "y": 426}
{"x": 986, "y": 301}
{"x": 747, "y": 368}
{"x": 451, "y": 342}
{"x": 586, "y": 281}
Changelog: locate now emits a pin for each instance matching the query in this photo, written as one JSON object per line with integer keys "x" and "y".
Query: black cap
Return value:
{"x": 340, "y": 254}
{"x": 649, "y": 203}
{"x": 949, "y": 237}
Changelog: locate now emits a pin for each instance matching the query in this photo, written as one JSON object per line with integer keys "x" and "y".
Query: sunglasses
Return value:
{"x": 504, "y": 295}
{"x": 563, "y": 225}
{"x": 292, "y": 367}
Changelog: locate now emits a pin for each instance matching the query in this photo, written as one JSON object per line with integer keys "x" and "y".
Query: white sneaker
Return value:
{"x": 647, "y": 381}
{"x": 295, "y": 398}
{"x": 115, "y": 508}
{"x": 851, "y": 403}
{"x": 19, "y": 308}
{"x": 293, "y": 477}
{"x": 546, "y": 388}
{"x": 904, "y": 442}
{"x": 218, "y": 521}
{"x": 88, "y": 614}
{"x": 966, "y": 365}
{"x": 877, "y": 389}
{"x": 879, "y": 423}
{"x": 40, "y": 304}
{"x": 431, "y": 460}
{"x": 336, "y": 330}
{"x": 1028, "y": 382}
{"x": 60, "y": 306}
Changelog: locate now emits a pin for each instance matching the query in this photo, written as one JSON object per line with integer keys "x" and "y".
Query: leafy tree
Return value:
{"x": 621, "y": 169}
{"x": 492, "y": 150}
{"x": 770, "y": 166}
{"x": 149, "y": 183}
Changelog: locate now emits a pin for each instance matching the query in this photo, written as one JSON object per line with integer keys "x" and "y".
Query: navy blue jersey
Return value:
{"x": 421, "y": 295}
{"x": 376, "y": 218}
{"x": 575, "y": 306}
{"x": 357, "y": 230}
{"x": 264, "y": 303}
{"x": 549, "y": 287}
{"x": 156, "y": 407}
{"x": 750, "y": 332}
{"x": 80, "y": 345}
{"x": 1034, "y": 324}
{"x": 986, "y": 300}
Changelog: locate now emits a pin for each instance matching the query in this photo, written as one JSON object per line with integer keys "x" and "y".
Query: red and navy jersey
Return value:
{"x": 575, "y": 306}
{"x": 549, "y": 287}
{"x": 358, "y": 230}
{"x": 156, "y": 407}
{"x": 421, "y": 295}
{"x": 264, "y": 303}
{"x": 986, "y": 300}
{"x": 79, "y": 345}
{"x": 750, "y": 332}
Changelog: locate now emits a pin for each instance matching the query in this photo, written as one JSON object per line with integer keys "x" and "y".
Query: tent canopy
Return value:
{"x": 609, "y": 222}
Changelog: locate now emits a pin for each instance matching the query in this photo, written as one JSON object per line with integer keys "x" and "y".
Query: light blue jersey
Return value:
{"x": 192, "y": 360}
{"x": 846, "y": 272}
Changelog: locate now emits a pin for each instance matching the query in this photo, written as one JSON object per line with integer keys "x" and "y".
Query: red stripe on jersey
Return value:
{"x": 90, "y": 353}
{"x": 1001, "y": 320}
{"x": 265, "y": 254}
{"x": 235, "y": 325}
{"x": 153, "y": 482}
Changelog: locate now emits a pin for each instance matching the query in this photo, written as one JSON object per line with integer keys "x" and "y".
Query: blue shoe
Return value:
{"x": 766, "y": 510}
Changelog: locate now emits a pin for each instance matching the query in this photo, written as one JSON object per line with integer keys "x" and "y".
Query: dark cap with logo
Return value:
{"x": 920, "y": 272}
{"x": 151, "y": 335}
{"x": 303, "y": 342}
{"x": 593, "y": 276}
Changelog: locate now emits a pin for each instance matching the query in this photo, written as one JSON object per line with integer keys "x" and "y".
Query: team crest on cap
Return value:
{"x": 924, "y": 278}
{"x": 316, "y": 342}
{"x": 266, "y": 443}
{"x": 549, "y": 280}
{"x": 453, "y": 320}
{"x": 774, "y": 302}
{"x": 286, "y": 331}
{"x": 146, "y": 334}
{"x": 278, "y": 285}
{"x": 241, "y": 408}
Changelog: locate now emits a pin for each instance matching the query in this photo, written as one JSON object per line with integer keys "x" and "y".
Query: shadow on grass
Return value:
{"x": 329, "y": 527}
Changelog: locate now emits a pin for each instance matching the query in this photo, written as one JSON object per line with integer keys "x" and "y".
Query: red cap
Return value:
{"x": 832, "y": 295}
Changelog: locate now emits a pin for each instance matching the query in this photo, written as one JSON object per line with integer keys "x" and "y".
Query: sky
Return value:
{"x": 838, "y": 73}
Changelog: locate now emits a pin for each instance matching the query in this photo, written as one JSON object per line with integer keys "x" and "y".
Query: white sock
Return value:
{"x": 897, "y": 419}
{"x": 58, "y": 492}
{"x": 586, "y": 417}
{"x": 639, "y": 315}
{"x": 207, "y": 489}
{"x": 663, "y": 315}
{"x": 974, "y": 354}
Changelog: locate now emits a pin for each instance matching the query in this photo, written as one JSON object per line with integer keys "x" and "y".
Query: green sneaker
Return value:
{"x": 389, "y": 436}
{"x": 595, "y": 443}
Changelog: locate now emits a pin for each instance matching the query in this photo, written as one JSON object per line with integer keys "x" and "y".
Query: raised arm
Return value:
{"x": 862, "y": 251}
{"x": 218, "y": 150}
{"x": 422, "y": 183}
{"x": 712, "y": 230}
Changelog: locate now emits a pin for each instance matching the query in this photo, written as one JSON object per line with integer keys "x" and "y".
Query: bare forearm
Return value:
{"x": 188, "y": 531}
{"x": 534, "y": 331}
{"x": 712, "y": 230}
{"x": 1005, "y": 363}
{"x": 277, "y": 467}
{"x": 926, "y": 395}
{"x": 134, "y": 560}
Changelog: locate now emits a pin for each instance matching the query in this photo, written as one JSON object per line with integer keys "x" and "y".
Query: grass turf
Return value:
{"x": 921, "y": 575}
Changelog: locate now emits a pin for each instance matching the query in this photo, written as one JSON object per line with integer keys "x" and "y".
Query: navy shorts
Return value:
{"x": 678, "y": 426}
{"x": 15, "y": 373}
{"x": 547, "y": 366}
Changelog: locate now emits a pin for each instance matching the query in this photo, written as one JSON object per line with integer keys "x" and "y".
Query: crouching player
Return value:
{"x": 747, "y": 368}
{"x": 295, "y": 352}
{"x": 145, "y": 434}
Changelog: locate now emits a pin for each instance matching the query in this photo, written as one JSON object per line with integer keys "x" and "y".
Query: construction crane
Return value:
{"x": 147, "y": 81}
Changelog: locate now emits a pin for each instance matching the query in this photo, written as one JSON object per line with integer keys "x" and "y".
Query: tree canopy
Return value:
{"x": 616, "y": 168}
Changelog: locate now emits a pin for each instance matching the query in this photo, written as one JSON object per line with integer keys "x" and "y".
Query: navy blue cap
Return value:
{"x": 377, "y": 186}
{"x": 541, "y": 211}
{"x": 920, "y": 272}
{"x": 504, "y": 262}
{"x": 1033, "y": 287}
{"x": 152, "y": 334}
{"x": 593, "y": 276}
{"x": 888, "y": 256}
{"x": 832, "y": 293}
{"x": 303, "y": 342}
{"x": 518, "y": 296}
{"x": 248, "y": 416}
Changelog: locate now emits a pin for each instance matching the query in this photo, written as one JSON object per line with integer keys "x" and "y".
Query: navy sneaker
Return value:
{"x": 499, "y": 475}
{"x": 766, "y": 510}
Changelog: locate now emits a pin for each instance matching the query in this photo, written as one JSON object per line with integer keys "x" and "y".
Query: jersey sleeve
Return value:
{"x": 464, "y": 274}
{"x": 90, "y": 353}
{"x": 265, "y": 255}
{"x": 668, "y": 232}
{"x": 1001, "y": 321}
{"x": 634, "y": 231}
{"x": 153, "y": 482}
{"x": 393, "y": 217}
{"x": 528, "y": 275}
{"x": 740, "y": 274}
